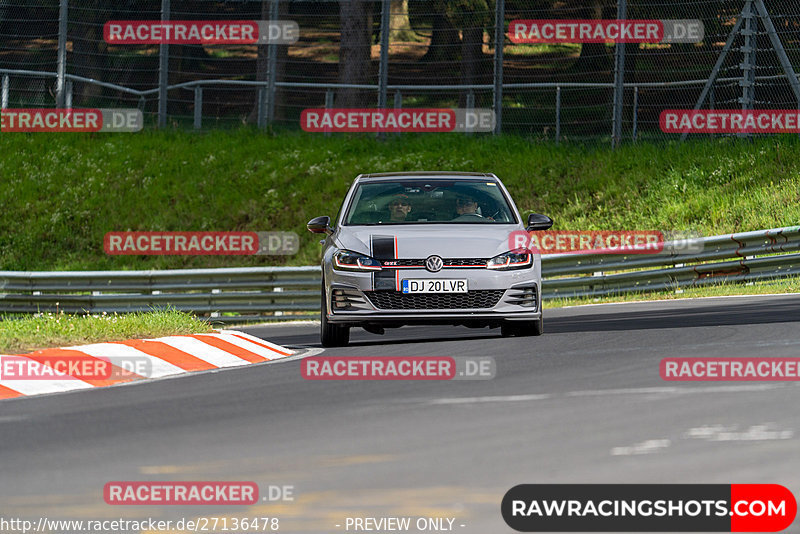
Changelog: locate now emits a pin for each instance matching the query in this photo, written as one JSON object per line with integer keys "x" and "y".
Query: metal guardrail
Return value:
{"x": 285, "y": 293}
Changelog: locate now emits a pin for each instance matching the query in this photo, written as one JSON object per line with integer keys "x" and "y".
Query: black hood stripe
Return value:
{"x": 383, "y": 248}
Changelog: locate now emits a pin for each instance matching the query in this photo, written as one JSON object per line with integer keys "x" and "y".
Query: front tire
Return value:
{"x": 331, "y": 335}
{"x": 522, "y": 328}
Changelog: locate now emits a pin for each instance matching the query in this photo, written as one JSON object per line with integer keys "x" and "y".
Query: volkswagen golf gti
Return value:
{"x": 428, "y": 248}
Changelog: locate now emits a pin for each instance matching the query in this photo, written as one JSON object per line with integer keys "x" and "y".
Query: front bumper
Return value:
{"x": 351, "y": 298}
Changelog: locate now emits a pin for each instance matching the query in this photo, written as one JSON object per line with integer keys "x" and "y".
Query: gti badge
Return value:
{"x": 434, "y": 264}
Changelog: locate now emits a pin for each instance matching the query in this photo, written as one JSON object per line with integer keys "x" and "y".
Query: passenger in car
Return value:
{"x": 399, "y": 208}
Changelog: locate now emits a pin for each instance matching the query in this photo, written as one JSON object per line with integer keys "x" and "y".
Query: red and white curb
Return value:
{"x": 167, "y": 356}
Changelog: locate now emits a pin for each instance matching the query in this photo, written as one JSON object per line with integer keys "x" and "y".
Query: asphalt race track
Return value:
{"x": 583, "y": 403}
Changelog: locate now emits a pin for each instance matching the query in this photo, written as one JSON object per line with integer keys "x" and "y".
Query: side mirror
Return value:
{"x": 320, "y": 225}
{"x": 537, "y": 221}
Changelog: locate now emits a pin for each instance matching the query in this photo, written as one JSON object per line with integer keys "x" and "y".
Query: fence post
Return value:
{"x": 4, "y": 92}
{"x": 711, "y": 104}
{"x": 68, "y": 98}
{"x": 163, "y": 69}
{"x": 383, "y": 66}
{"x": 558, "y": 114}
{"x": 62, "y": 54}
{"x": 470, "y": 107}
{"x": 198, "y": 107}
{"x": 398, "y": 104}
{"x": 272, "y": 65}
{"x": 619, "y": 81}
{"x": 499, "y": 42}
{"x": 748, "y": 65}
{"x": 635, "y": 111}
{"x": 328, "y": 105}
{"x": 262, "y": 96}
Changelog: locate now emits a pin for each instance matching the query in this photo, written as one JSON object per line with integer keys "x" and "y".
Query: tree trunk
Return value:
{"x": 89, "y": 51}
{"x": 444, "y": 41}
{"x": 594, "y": 57}
{"x": 471, "y": 58}
{"x": 399, "y": 24}
{"x": 186, "y": 62}
{"x": 354, "y": 50}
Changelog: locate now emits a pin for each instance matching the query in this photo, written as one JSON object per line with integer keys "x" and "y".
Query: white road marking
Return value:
{"x": 203, "y": 351}
{"x": 676, "y": 390}
{"x": 762, "y": 432}
{"x": 245, "y": 344}
{"x": 503, "y": 398}
{"x": 116, "y": 350}
{"x": 278, "y": 349}
{"x": 646, "y": 447}
{"x": 671, "y": 390}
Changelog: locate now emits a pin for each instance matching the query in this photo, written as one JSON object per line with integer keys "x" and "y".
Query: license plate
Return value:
{"x": 434, "y": 286}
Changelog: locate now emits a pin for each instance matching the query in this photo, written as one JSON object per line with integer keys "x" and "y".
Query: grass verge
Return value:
{"x": 785, "y": 285}
{"x": 28, "y": 333}
{"x": 61, "y": 193}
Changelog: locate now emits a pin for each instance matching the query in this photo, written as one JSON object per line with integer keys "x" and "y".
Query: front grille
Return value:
{"x": 448, "y": 262}
{"x": 465, "y": 262}
{"x": 393, "y": 300}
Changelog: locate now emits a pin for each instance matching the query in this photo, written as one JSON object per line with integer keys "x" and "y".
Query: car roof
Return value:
{"x": 450, "y": 175}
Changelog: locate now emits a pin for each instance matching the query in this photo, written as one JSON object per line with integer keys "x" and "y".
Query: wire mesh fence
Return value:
{"x": 402, "y": 53}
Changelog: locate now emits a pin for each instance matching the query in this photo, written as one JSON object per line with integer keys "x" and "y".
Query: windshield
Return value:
{"x": 429, "y": 201}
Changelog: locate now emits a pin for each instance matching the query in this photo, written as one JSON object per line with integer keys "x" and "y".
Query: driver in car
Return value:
{"x": 466, "y": 207}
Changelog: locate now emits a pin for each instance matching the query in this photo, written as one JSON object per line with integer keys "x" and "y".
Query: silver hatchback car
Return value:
{"x": 428, "y": 248}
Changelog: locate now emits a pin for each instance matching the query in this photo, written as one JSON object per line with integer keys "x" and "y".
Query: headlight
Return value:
{"x": 346, "y": 260}
{"x": 514, "y": 259}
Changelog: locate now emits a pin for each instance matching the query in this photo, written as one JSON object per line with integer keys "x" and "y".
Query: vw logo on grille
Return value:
{"x": 434, "y": 264}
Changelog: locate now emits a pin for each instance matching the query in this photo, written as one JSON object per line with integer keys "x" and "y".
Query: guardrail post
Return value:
{"x": 211, "y": 302}
{"x": 499, "y": 43}
{"x": 62, "y": 54}
{"x": 328, "y": 105}
{"x": 558, "y": 114}
{"x": 163, "y": 69}
{"x": 277, "y": 313}
{"x": 68, "y": 98}
{"x": 619, "y": 81}
{"x": 198, "y": 107}
{"x": 4, "y": 92}
{"x": 635, "y": 111}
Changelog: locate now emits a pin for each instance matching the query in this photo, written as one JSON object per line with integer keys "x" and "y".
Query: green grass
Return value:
{"x": 567, "y": 50}
{"x": 60, "y": 193}
{"x": 32, "y": 332}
